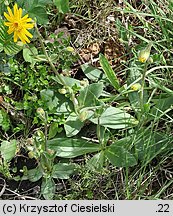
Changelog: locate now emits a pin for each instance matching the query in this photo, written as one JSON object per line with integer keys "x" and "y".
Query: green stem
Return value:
{"x": 47, "y": 56}
{"x": 98, "y": 130}
{"x": 142, "y": 88}
{"x": 54, "y": 69}
{"x": 45, "y": 131}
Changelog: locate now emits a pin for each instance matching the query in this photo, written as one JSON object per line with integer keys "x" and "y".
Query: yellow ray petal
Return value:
{"x": 25, "y": 17}
{"x": 10, "y": 30}
{"x": 28, "y": 26}
{"x": 15, "y": 36}
{"x": 8, "y": 23}
{"x": 15, "y": 8}
{"x": 10, "y": 12}
{"x": 27, "y": 33}
{"x": 20, "y": 13}
{"x": 23, "y": 38}
{"x": 27, "y": 20}
{"x": 8, "y": 17}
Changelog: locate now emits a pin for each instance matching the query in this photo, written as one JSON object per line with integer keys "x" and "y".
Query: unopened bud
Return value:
{"x": 30, "y": 141}
{"x": 136, "y": 87}
{"x": 62, "y": 91}
{"x": 84, "y": 82}
{"x": 41, "y": 114}
{"x": 83, "y": 116}
{"x": 70, "y": 49}
{"x": 31, "y": 154}
{"x": 1, "y": 99}
{"x": 150, "y": 60}
{"x": 51, "y": 151}
{"x": 145, "y": 53}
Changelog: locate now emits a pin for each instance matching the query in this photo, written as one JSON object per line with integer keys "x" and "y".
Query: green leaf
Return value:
{"x": 68, "y": 81}
{"x": 33, "y": 3}
{"x": 92, "y": 73}
{"x": 73, "y": 125}
{"x": 58, "y": 104}
{"x": 62, "y": 5}
{"x": 88, "y": 95}
{"x": 8, "y": 149}
{"x": 47, "y": 95}
{"x": 48, "y": 188}
{"x": 1, "y": 47}
{"x": 96, "y": 162}
{"x": 11, "y": 48}
{"x": 44, "y": 2}
{"x": 35, "y": 174}
{"x": 39, "y": 13}
{"x": 63, "y": 170}
{"x": 134, "y": 97}
{"x": 119, "y": 155}
{"x": 4, "y": 120}
{"x": 115, "y": 118}
{"x": 70, "y": 148}
{"x": 64, "y": 105}
{"x": 6, "y": 41}
{"x": 109, "y": 71}
{"x": 53, "y": 130}
{"x": 29, "y": 55}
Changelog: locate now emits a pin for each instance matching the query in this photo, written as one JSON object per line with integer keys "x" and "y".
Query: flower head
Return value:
{"x": 18, "y": 24}
{"x": 145, "y": 53}
{"x": 136, "y": 87}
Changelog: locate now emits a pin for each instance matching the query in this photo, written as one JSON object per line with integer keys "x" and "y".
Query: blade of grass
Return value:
{"x": 109, "y": 72}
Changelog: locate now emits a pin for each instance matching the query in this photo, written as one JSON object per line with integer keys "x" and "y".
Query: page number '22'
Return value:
{"x": 163, "y": 208}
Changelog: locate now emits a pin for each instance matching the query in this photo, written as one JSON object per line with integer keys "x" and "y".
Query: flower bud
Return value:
{"x": 50, "y": 151}
{"x": 30, "y": 141}
{"x": 83, "y": 116}
{"x": 136, "y": 87}
{"x": 70, "y": 49}
{"x": 145, "y": 53}
{"x": 1, "y": 99}
{"x": 41, "y": 114}
{"x": 84, "y": 82}
{"x": 31, "y": 154}
{"x": 62, "y": 91}
{"x": 150, "y": 60}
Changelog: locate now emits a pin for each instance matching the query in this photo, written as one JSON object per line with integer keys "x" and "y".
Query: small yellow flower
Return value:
{"x": 18, "y": 24}
{"x": 145, "y": 53}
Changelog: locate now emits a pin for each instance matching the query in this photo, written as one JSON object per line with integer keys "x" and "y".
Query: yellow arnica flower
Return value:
{"x": 18, "y": 24}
